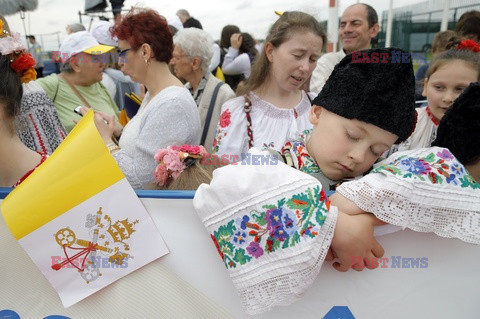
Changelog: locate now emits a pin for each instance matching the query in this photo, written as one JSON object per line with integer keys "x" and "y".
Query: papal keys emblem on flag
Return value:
{"x": 108, "y": 238}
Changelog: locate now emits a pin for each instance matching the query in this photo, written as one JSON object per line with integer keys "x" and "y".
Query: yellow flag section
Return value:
{"x": 80, "y": 168}
{"x": 79, "y": 220}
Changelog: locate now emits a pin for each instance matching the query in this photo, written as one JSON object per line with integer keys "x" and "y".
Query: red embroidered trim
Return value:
{"x": 432, "y": 118}
{"x": 247, "y": 107}
{"x": 44, "y": 157}
{"x": 61, "y": 133}
{"x": 42, "y": 144}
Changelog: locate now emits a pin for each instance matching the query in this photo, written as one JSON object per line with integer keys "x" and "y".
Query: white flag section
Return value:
{"x": 95, "y": 243}
{"x": 79, "y": 219}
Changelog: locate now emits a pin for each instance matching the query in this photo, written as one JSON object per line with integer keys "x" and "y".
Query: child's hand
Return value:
{"x": 345, "y": 205}
{"x": 353, "y": 242}
{"x": 348, "y": 207}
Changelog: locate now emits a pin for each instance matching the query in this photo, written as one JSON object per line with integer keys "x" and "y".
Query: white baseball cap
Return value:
{"x": 101, "y": 32}
{"x": 82, "y": 41}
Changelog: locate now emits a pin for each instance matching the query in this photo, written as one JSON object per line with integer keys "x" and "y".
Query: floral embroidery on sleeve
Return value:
{"x": 225, "y": 120}
{"x": 437, "y": 168}
{"x": 298, "y": 150}
{"x": 277, "y": 226}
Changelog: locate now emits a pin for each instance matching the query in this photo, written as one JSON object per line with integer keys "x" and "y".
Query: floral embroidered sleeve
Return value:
{"x": 231, "y": 134}
{"x": 426, "y": 190}
{"x": 277, "y": 226}
{"x": 272, "y": 226}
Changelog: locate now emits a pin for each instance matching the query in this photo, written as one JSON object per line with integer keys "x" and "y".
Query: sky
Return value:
{"x": 48, "y": 21}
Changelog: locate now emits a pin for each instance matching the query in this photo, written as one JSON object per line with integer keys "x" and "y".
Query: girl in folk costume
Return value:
{"x": 270, "y": 106}
{"x": 447, "y": 76}
{"x": 16, "y": 160}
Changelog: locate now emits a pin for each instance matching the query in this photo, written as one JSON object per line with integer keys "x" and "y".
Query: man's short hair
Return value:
{"x": 372, "y": 16}
{"x": 31, "y": 37}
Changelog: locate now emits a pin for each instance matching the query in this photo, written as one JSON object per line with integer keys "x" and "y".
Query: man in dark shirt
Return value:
{"x": 187, "y": 20}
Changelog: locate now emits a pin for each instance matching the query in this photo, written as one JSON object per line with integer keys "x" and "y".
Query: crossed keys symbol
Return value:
{"x": 65, "y": 237}
{"x": 87, "y": 249}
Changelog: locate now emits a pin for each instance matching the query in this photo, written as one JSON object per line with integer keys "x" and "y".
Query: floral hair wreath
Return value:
{"x": 469, "y": 45}
{"x": 20, "y": 61}
{"x": 173, "y": 160}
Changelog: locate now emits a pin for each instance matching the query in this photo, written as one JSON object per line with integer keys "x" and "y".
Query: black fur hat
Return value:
{"x": 376, "y": 86}
{"x": 459, "y": 129}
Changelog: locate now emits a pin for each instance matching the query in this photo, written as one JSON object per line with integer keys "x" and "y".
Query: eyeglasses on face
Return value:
{"x": 123, "y": 53}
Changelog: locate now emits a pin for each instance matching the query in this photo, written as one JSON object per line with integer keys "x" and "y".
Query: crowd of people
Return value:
{"x": 330, "y": 116}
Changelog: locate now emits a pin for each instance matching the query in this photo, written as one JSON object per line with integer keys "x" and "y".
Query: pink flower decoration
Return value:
{"x": 171, "y": 161}
{"x": 160, "y": 154}
{"x": 225, "y": 119}
{"x": 160, "y": 174}
{"x": 193, "y": 149}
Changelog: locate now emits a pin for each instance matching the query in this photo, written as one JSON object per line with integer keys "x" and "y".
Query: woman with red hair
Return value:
{"x": 168, "y": 114}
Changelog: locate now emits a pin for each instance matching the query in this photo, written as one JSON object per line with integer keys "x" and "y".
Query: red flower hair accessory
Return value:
{"x": 469, "y": 45}
{"x": 173, "y": 160}
{"x": 23, "y": 62}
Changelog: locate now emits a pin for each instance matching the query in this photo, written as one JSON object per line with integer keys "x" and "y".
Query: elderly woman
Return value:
{"x": 79, "y": 80}
{"x": 191, "y": 60}
{"x": 168, "y": 114}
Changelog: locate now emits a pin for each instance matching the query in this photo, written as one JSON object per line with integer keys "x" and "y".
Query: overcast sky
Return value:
{"x": 253, "y": 16}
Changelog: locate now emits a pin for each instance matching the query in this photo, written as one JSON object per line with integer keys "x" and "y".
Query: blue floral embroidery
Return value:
{"x": 278, "y": 226}
{"x": 437, "y": 168}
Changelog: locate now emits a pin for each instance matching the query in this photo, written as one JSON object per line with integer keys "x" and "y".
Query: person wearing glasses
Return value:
{"x": 114, "y": 80}
{"x": 168, "y": 114}
{"x": 79, "y": 81}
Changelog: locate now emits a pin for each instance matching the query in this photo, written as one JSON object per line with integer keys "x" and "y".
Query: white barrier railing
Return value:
{"x": 423, "y": 275}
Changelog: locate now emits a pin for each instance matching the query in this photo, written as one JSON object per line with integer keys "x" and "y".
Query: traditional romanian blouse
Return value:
{"x": 272, "y": 127}
{"x": 424, "y": 134}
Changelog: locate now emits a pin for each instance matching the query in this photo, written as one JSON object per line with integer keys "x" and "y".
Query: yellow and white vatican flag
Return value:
{"x": 79, "y": 219}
